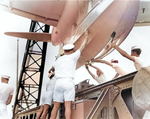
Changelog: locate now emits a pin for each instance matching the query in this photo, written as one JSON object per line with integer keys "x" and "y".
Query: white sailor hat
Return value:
{"x": 68, "y": 46}
{"x": 5, "y": 76}
{"x": 135, "y": 47}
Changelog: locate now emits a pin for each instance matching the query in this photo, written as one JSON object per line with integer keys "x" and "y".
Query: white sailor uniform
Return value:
{"x": 48, "y": 95}
{"x": 139, "y": 63}
{"x": 65, "y": 67}
{"x": 5, "y": 92}
{"x": 121, "y": 71}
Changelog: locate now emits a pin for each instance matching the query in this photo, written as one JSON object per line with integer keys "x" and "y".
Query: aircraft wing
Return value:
{"x": 45, "y": 11}
{"x": 49, "y": 11}
{"x": 143, "y": 18}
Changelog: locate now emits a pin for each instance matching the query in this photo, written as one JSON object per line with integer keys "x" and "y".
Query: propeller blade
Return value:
{"x": 45, "y": 37}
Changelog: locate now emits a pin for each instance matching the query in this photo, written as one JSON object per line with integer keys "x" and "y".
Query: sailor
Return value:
{"x": 135, "y": 55}
{"x": 65, "y": 66}
{"x": 120, "y": 71}
{"x": 100, "y": 78}
{"x": 6, "y": 93}
{"x": 114, "y": 64}
{"x": 48, "y": 96}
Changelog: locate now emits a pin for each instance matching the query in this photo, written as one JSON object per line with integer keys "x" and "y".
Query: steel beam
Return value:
{"x": 31, "y": 75}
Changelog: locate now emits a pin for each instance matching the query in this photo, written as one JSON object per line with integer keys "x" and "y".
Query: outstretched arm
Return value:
{"x": 123, "y": 53}
{"x": 102, "y": 61}
{"x": 86, "y": 66}
{"x": 97, "y": 68}
{"x": 85, "y": 41}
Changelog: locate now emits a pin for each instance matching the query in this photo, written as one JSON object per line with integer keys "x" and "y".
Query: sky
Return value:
{"x": 8, "y": 51}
